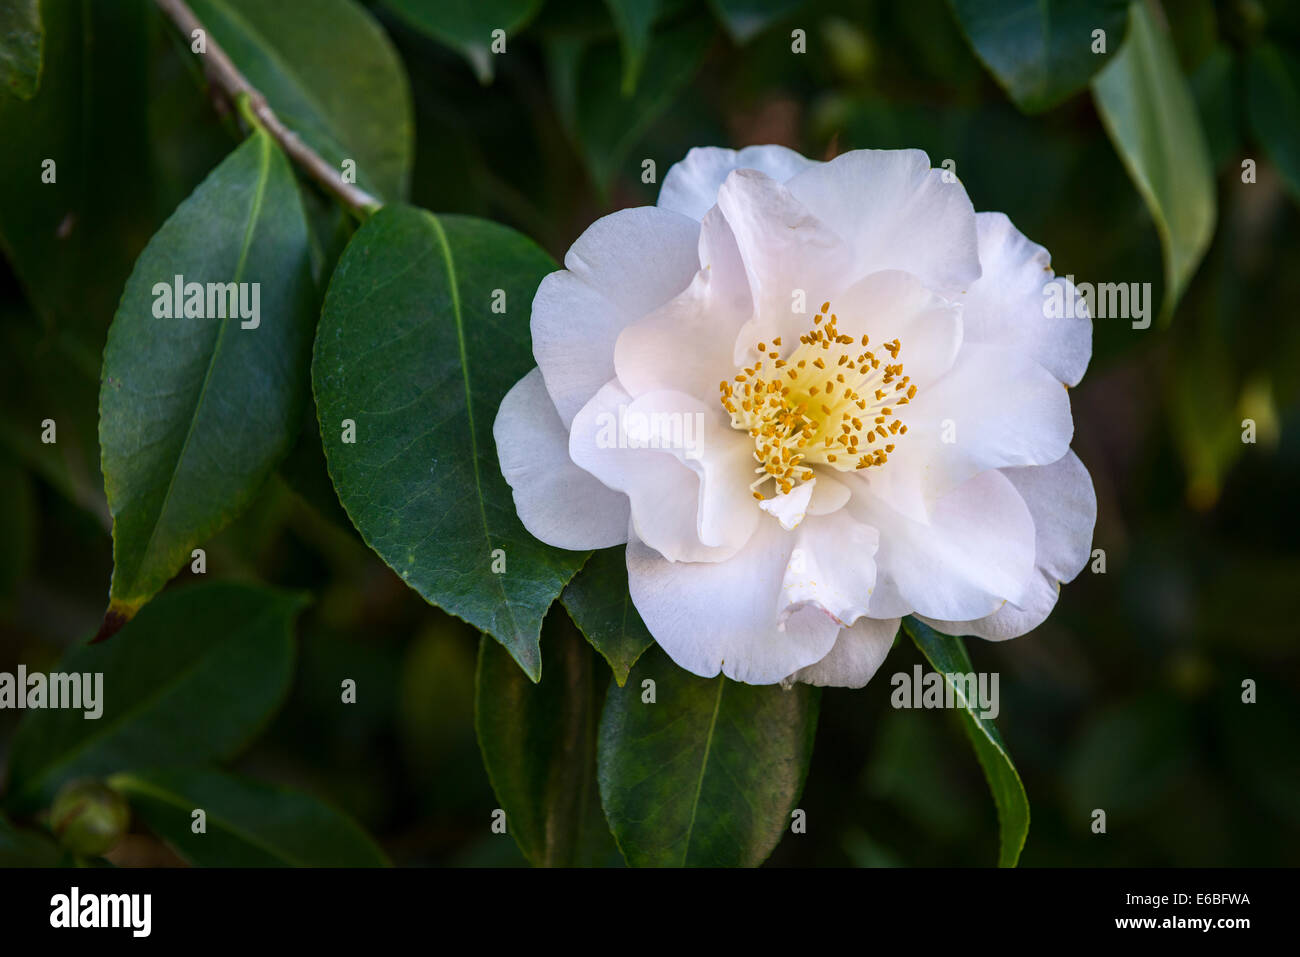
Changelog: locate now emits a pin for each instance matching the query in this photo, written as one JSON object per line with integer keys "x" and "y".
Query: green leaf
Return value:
{"x": 1273, "y": 105}
{"x": 745, "y": 19}
{"x": 20, "y": 847}
{"x": 586, "y": 85}
{"x": 249, "y": 824}
{"x": 601, "y": 607}
{"x": 190, "y": 680}
{"x": 411, "y": 351}
{"x": 21, "y": 40}
{"x": 195, "y": 413}
{"x": 539, "y": 747}
{"x": 947, "y": 655}
{"x": 1148, "y": 110}
{"x": 331, "y": 74}
{"x": 1040, "y": 51}
{"x": 709, "y": 773}
{"x": 467, "y": 25}
{"x": 633, "y": 19}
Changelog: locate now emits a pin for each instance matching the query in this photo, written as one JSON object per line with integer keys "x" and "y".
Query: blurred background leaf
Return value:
{"x": 1043, "y": 51}
{"x": 247, "y": 824}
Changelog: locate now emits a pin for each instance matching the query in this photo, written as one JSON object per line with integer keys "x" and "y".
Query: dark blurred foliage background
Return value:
{"x": 1127, "y": 699}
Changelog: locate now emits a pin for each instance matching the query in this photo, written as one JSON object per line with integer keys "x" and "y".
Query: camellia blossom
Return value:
{"x": 811, "y": 398}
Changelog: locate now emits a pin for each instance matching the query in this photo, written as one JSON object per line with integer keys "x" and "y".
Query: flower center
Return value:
{"x": 829, "y": 402}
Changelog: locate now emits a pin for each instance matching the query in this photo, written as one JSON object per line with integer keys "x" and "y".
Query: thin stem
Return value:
{"x": 224, "y": 75}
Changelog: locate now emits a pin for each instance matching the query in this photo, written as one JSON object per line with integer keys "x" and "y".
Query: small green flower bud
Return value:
{"x": 89, "y": 818}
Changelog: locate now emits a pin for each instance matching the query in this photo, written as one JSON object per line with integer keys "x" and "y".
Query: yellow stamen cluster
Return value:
{"x": 830, "y": 401}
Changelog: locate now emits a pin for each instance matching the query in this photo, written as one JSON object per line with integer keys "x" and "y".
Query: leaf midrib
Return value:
{"x": 704, "y": 766}
{"x": 454, "y": 286}
{"x": 263, "y": 176}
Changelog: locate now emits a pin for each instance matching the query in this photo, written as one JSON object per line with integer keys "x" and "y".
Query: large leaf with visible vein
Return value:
{"x": 330, "y": 73}
{"x": 195, "y": 412}
{"x": 191, "y": 679}
{"x": 709, "y": 773}
{"x": 410, "y": 350}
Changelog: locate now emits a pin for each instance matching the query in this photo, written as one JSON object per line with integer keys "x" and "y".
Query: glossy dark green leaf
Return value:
{"x": 331, "y": 74}
{"x": 467, "y": 25}
{"x": 606, "y": 125}
{"x": 1147, "y": 108}
{"x": 633, "y": 19}
{"x": 191, "y": 679}
{"x": 411, "y": 352}
{"x": 539, "y": 747}
{"x": 248, "y": 823}
{"x": 20, "y": 847}
{"x": 21, "y": 40}
{"x": 1041, "y": 51}
{"x": 744, "y": 19}
{"x": 599, "y": 603}
{"x": 947, "y": 655}
{"x": 709, "y": 773}
{"x": 195, "y": 413}
{"x": 1273, "y": 105}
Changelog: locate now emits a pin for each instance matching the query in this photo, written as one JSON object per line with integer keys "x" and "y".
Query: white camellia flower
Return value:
{"x": 811, "y": 398}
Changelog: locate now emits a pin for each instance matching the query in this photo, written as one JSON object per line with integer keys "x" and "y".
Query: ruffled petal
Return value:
{"x": 831, "y": 568}
{"x": 722, "y": 616}
{"x": 889, "y": 305}
{"x": 668, "y": 491}
{"x": 858, "y": 653}
{"x": 896, "y": 213}
{"x": 976, "y": 551}
{"x": 792, "y": 260}
{"x": 557, "y": 501}
{"x": 1010, "y": 304}
{"x": 687, "y": 345}
{"x": 995, "y": 408}
{"x": 1063, "y": 503}
{"x": 691, "y": 185}
{"x": 625, "y": 266}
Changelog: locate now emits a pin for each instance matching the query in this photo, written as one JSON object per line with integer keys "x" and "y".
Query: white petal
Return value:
{"x": 891, "y": 304}
{"x": 1061, "y": 499}
{"x": 700, "y": 436}
{"x": 829, "y": 494}
{"x": 691, "y": 186}
{"x": 722, "y": 616}
{"x": 793, "y": 261}
{"x": 790, "y": 508}
{"x": 831, "y": 568}
{"x": 622, "y": 268}
{"x": 995, "y": 408}
{"x": 1008, "y": 305}
{"x": 858, "y": 653}
{"x": 664, "y": 488}
{"x": 977, "y": 550}
{"x": 558, "y": 502}
{"x": 896, "y": 213}
{"x": 688, "y": 344}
